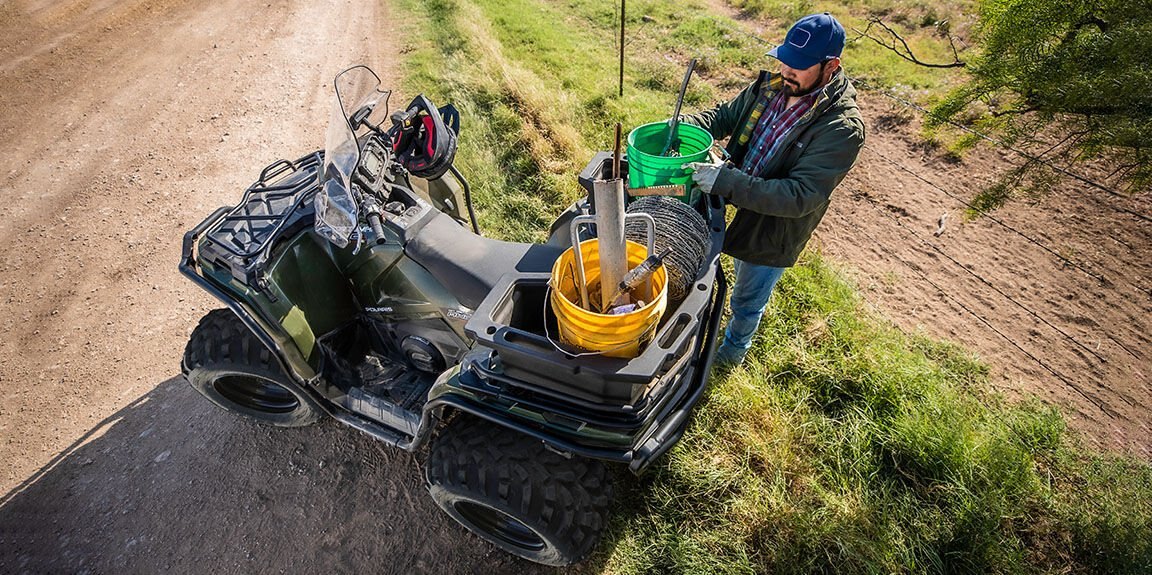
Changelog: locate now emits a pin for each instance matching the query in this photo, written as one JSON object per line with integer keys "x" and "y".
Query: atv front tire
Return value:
{"x": 521, "y": 496}
{"x": 226, "y": 363}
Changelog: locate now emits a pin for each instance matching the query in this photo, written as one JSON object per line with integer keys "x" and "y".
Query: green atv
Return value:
{"x": 358, "y": 287}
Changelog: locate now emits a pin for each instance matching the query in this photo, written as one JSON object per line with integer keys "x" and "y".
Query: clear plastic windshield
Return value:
{"x": 337, "y": 207}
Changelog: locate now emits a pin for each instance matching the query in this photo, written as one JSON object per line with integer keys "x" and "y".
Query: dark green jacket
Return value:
{"x": 779, "y": 209}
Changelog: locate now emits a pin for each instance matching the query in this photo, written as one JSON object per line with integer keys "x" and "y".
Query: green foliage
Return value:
{"x": 1081, "y": 65}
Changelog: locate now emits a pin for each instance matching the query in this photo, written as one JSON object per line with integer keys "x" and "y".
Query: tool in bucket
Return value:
{"x": 646, "y": 335}
{"x": 650, "y": 225}
{"x": 632, "y": 280}
{"x": 672, "y": 146}
{"x": 622, "y": 335}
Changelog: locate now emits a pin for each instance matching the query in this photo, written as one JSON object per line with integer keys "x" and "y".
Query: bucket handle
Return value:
{"x": 649, "y": 223}
{"x": 717, "y": 153}
{"x": 649, "y": 331}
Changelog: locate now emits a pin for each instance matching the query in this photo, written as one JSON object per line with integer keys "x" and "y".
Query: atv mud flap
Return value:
{"x": 466, "y": 391}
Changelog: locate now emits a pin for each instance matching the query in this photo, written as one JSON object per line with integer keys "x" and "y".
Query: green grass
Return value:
{"x": 846, "y": 446}
{"x": 843, "y": 445}
{"x": 919, "y": 23}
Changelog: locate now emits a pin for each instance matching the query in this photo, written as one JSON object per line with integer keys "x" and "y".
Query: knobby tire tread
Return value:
{"x": 566, "y": 498}
{"x": 222, "y": 343}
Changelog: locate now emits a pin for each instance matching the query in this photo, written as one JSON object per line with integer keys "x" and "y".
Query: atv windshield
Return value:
{"x": 337, "y": 206}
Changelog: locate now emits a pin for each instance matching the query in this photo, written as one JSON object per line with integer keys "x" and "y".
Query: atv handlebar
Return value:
{"x": 377, "y": 226}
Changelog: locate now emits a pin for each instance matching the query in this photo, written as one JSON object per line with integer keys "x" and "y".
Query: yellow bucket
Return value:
{"x": 613, "y": 335}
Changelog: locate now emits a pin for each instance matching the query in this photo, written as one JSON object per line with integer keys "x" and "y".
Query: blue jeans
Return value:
{"x": 754, "y": 284}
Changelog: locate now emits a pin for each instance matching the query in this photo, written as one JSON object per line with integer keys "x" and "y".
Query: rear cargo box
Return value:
{"x": 516, "y": 321}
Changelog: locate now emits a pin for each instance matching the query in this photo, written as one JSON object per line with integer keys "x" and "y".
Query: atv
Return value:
{"x": 358, "y": 287}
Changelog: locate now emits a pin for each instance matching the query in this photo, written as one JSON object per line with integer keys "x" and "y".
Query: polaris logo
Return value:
{"x": 378, "y": 309}
{"x": 458, "y": 314}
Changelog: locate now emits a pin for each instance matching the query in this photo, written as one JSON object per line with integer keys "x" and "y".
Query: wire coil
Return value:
{"x": 679, "y": 227}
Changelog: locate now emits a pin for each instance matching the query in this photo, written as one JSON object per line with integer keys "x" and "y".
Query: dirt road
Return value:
{"x": 124, "y": 124}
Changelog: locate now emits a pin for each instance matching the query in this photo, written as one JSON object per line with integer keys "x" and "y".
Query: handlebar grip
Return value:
{"x": 377, "y": 226}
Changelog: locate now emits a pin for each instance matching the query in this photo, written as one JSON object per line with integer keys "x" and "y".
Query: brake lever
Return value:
{"x": 358, "y": 240}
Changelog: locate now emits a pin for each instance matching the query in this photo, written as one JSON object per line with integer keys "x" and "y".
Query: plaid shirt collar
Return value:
{"x": 775, "y": 123}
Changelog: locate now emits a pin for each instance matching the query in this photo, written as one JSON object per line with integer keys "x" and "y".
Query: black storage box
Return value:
{"x": 516, "y": 321}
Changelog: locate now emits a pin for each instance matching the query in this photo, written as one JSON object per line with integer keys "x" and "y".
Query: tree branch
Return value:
{"x": 903, "y": 50}
{"x": 1014, "y": 111}
{"x": 1090, "y": 20}
{"x": 1075, "y": 136}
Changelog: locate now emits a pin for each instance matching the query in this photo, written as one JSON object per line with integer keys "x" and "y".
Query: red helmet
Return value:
{"x": 421, "y": 139}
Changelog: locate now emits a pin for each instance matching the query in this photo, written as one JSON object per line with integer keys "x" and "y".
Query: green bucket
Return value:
{"x": 648, "y": 169}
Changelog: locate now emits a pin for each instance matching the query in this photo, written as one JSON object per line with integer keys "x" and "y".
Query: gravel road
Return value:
{"x": 125, "y": 123}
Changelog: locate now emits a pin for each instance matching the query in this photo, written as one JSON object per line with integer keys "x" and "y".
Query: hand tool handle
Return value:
{"x": 679, "y": 102}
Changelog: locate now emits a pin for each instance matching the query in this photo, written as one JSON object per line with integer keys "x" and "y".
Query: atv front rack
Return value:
{"x": 241, "y": 240}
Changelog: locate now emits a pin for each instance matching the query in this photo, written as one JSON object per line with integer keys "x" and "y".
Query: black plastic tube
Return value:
{"x": 467, "y": 198}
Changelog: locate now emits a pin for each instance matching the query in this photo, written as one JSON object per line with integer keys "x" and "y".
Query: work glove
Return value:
{"x": 704, "y": 174}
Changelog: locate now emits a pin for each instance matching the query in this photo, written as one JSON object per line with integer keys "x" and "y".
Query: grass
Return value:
{"x": 847, "y": 446}
{"x": 843, "y": 445}
{"x": 921, "y": 24}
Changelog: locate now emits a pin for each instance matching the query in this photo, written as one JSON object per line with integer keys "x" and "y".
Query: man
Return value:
{"x": 794, "y": 136}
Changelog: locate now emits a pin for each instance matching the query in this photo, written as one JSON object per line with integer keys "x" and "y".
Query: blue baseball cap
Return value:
{"x": 813, "y": 39}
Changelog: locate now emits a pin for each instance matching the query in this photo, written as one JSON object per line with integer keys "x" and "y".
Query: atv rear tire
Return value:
{"x": 518, "y": 494}
{"x": 231, "y": 367}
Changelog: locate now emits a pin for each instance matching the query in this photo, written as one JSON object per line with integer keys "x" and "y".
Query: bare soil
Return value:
{"x": 1052, "y": 291}
{"x": 126, "y": 122}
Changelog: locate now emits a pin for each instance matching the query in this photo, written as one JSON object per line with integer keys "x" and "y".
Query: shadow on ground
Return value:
{"x": 172, "y": 483}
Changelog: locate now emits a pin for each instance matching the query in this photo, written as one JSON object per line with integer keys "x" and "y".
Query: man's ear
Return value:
{"x": 831, "y": 67}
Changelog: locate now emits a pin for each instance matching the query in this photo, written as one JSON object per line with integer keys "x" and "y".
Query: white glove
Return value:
{"x": 703, "y": 174}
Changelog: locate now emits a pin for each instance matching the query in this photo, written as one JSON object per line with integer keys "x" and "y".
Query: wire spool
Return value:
{"x": 679, "y": 227}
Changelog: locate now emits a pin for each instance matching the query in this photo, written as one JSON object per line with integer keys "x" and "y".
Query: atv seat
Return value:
{"x": 469, "y": 265}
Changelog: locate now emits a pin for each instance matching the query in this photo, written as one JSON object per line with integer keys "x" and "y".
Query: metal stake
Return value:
{"x": 622, "y": 2}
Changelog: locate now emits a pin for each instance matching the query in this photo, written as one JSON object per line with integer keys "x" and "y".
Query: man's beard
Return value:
{"x": 795, "y": 90}
{"x": 791, "y": 90}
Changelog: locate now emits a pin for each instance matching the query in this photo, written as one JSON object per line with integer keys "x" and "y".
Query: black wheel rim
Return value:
{"x": 500, "y": 525}
{"x": 256, "y": 393}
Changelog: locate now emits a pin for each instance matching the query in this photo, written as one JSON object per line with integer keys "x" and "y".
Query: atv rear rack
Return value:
{"x": 645, "y": 444}
{"x": 517, "y": 322}
{"x": 241, "y": 240}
